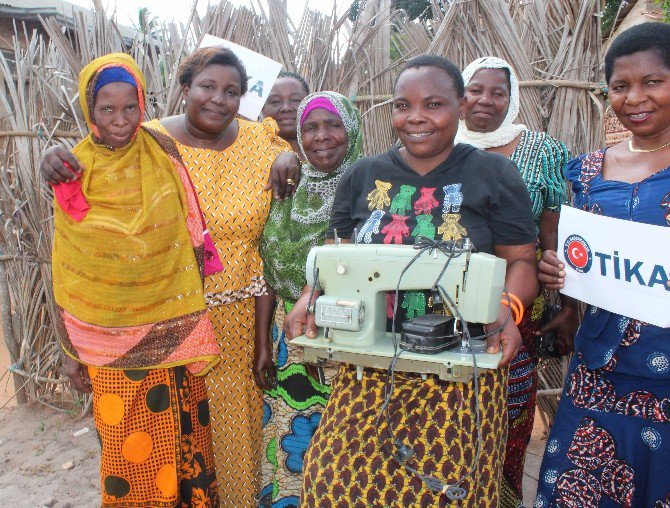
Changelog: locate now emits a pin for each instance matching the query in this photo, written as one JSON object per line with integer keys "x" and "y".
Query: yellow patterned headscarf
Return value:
{"x": 127, "y": 278}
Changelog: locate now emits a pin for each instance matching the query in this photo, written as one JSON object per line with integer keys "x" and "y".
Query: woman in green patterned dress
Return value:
{"x": 329, "y": 134}
{"x": 492, "y": 93}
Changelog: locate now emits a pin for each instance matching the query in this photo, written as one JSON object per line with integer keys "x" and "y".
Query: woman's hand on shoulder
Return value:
{"x": 58, "y": 165}
{"x": 551, "y": 271}
{"x": 284, "y": 176}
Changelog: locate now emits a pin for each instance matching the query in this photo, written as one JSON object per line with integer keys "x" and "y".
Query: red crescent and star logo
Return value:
{"x": 578, "y": 253}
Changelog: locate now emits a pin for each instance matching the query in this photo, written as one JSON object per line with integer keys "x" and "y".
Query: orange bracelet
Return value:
{"x": 515, "y": 314}
{"x": 514, "y": 303}
{"x": 516, "y": 300}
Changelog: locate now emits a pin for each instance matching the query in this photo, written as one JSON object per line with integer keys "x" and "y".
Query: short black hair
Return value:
{"x": 202, "y": 58}
{"x": 441, "y": 63}
{"x": 652, "y": 36}
{"x": 297, "y": 77}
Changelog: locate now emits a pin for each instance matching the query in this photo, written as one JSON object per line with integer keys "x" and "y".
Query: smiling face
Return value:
{"x": 324, "y": 140}
{"x": 116, "y": 113}
{"x": 488, "y": 95}
{"x": 282, "y": 105}
{"x": 213, "y": 98}
{"x": 426, "y": 111}
{"x": 639, "y": 93}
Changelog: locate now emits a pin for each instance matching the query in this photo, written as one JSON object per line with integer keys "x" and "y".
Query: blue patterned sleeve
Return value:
{"x": 573, "y": 169}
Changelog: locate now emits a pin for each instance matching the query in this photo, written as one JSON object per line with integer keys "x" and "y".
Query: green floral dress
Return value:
{"x": 292, "y": 410}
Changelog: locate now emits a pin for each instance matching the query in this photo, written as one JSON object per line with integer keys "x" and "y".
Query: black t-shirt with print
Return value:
{"x": 474, "y": 194}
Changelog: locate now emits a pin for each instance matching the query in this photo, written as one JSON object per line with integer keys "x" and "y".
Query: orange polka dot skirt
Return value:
{"x": 155, "y": 437}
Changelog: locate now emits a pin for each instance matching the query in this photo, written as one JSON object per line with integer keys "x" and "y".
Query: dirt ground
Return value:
{"x": 36, "y": 443}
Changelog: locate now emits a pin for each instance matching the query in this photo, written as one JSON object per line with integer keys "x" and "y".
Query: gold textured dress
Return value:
{"x": 230, "y": 185}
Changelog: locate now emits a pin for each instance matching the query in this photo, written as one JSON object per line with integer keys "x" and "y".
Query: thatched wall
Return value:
{"x": 555, "y": 47}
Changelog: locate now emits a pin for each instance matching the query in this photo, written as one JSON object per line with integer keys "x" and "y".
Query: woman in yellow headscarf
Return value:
{"x": 130, "y": 253}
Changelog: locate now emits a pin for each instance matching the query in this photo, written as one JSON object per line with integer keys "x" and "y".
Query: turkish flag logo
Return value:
{"x": 578, "y": 253}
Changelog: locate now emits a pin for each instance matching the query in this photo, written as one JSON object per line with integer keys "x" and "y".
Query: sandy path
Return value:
{"x": 35, "y": 442}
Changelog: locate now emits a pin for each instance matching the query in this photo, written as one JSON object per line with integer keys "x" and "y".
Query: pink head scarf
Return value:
{"x": 318, "y": 103}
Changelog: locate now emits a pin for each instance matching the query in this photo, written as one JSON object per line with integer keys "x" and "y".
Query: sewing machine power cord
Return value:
{"x": 402, "y": 452}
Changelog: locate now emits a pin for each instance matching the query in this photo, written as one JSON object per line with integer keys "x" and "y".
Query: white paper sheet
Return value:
{"x": 618, "y": 265}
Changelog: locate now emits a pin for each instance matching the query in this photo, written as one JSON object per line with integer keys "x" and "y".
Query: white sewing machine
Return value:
{"x": 352, "y": 317}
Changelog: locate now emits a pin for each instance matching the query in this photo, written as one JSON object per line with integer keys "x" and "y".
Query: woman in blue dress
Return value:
{"x": 610, "y": 443}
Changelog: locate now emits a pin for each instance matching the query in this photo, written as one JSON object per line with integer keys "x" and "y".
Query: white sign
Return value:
{"x": 618, "y": 265}
{"x": 262, "y": 72}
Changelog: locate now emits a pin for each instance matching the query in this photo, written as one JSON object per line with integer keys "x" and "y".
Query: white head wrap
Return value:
{"x": 507, "y": 130}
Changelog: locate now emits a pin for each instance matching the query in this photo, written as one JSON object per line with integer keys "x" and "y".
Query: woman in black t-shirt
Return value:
{"x": 430, "y": 188}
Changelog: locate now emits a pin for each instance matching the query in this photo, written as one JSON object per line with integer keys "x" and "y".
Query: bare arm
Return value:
{"x": 520, "y": 280}
{"x": 549, "y": 230}
{"x": 263, "y": 366}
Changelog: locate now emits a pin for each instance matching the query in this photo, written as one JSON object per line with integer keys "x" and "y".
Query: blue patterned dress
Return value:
{"x": 610, "y": 444}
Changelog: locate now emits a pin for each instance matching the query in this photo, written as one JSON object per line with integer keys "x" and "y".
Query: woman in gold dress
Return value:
{"x": 229, "y": 161}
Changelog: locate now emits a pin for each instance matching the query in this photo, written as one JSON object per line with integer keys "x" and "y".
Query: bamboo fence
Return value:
{"x": 555, "y": 47}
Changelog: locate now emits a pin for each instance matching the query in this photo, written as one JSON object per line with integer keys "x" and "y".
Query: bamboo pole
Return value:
{"x": 8, "y": 333}
{"x": 39, "y": 134}
{"x": 596, "y": 88}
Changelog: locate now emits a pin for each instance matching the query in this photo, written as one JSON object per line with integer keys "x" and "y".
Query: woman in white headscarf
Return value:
{"x": 492, "y": 93}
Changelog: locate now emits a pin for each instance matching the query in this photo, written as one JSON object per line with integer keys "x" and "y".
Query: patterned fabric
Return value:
{"x": 293, "y": 409}
{"x": 473, "y": 193}
{"x": 128, "y": 277}
{"x": 183, "y": 340}
{"x": 155, "y": 437}
{"x": 452, "y": 200}
{"x": 230, "y": 185}
{"x": 540, "y": 159}
{"x": 236, "y": 406}
{"x": 299, "y": 223}
{"x": 346, "y": 464}
{"x": 611, "y": 438}
{"x": 256, "y": 287}
{"x": 521, "y": 397}
{"x": 291, "y": 412}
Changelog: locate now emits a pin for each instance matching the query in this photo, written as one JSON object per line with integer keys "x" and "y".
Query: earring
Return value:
{"x": 183, "y": 102}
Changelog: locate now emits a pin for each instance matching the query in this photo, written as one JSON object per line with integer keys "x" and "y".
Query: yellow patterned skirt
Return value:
{"x": 236, "y": 406}
{"x": 346, "y": 466}
{"x": 155, "y": 438}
